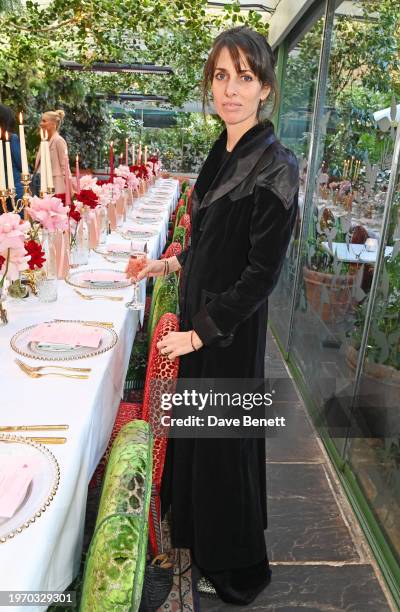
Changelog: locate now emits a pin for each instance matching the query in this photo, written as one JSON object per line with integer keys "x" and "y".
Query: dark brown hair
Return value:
{"x": 258, "y": 53}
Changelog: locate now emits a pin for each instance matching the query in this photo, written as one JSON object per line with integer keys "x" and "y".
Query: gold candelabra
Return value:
{"x": 3, "y": 199}
{"x": 17, "y": 205}
{"x": 26, "y": 181}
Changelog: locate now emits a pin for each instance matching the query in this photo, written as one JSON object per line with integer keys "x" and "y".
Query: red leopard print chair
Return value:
{"x": 174, "y": 249}
{"x": 161, "y": 377}
{"x": 185, "y": 222}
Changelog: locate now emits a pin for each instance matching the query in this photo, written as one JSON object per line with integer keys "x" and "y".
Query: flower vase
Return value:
{"x": 112, "y": 215}
{"x": 62, "y": 245}
{"x": 128, "y": 202}
{"x": 102, "y": 222}
{"x": 3, "y": 304}
{"x": 93, "y": 229}
{"x": 120, "y": 210}
{"x": 47, "y": 285}
{"x": 79, "y": 243}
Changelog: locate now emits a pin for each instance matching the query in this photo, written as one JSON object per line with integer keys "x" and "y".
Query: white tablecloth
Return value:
{"x": 354, "y": 253}
{"x": 46, "y": 556}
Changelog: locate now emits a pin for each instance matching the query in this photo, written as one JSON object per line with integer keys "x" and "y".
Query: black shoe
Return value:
{"x": 205, "y": 588}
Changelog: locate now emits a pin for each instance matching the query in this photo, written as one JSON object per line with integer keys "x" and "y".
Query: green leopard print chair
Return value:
{"x": 180, "y": 236}
{"x": 181, "y": 211}
{"x": 165, "y": 299}
{"x": 115, "y": 564}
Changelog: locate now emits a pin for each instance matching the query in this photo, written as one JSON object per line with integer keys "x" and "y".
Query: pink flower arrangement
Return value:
{"x": 119, "y": 183}
{"x": 132, "y": 181}
{"x": 13, "y": 255}
{"x": 49, "y": 212}
{"x": 122, "y": 171}
{"x": 88, "y": 181}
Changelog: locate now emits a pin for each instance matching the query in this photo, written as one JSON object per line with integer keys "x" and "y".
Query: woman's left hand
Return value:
{"x": 179, "y": 343}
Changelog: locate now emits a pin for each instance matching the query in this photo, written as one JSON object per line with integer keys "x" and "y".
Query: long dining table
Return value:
{"x": 46, "y": 556}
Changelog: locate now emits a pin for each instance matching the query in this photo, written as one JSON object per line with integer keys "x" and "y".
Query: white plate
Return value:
{"x": 20, "y": 344}
{"x": 77, "y": 277}
{"x": 41, "y": 490}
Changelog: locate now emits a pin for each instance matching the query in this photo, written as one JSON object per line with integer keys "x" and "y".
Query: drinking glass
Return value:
{"x": 137, "y": 261}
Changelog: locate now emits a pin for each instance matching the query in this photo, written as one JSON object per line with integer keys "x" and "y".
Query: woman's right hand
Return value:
{"x": 156, "y": 267}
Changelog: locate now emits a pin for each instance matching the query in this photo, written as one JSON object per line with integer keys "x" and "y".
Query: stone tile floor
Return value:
{"x": 319, "y": 557}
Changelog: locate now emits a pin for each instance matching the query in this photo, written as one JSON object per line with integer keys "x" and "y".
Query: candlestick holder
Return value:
{"x": 26, "y": 181}
{"x": 12, "y": 194}
{"x": 51, "y": 191}
{"x": 3, "y": 199}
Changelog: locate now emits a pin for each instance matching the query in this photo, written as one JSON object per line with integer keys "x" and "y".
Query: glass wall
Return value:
{"x": 297, "y": 103}
{"x": 341, "y": 325}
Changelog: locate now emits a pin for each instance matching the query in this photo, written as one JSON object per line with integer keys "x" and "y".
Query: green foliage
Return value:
{"x": 317, "y": 257}
{"x": 138, "y": 361}
{"x": 363, "y": 76}
{"x": 384, "y": 337}
{"x": 35, "y": 38}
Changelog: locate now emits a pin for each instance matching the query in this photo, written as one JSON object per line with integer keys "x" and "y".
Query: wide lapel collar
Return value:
{"x": 241, "y": 162}
{"x": 213, "y": 158}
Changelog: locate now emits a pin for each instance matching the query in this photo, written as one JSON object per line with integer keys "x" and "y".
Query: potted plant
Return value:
{"x": 330, "y": 284}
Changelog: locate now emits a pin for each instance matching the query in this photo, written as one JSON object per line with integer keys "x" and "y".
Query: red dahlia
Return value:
{"x": 37, "y": 258}
{"x": 88, "y": 198}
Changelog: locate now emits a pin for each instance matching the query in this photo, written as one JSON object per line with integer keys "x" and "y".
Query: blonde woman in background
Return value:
{"x": 51, "y": 122}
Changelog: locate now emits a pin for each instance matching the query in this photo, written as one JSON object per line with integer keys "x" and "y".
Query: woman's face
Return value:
{"x": 236, "y": 95}
{"x": 48, "y": 124}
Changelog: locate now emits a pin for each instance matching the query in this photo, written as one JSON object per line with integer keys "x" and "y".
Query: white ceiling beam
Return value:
{"x": 286, "y": 15}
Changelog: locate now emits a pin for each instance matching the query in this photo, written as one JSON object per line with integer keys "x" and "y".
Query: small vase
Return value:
{"x": 3, "y": 304}
{"x": 102, "y": 222}
{"x": 80, "y": 244}
{"x": 120, "y": 210}
{"x": 47, "y": 284}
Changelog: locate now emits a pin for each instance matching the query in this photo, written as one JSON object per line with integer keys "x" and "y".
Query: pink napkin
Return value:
{"x": 104, "y": 276}
{"x": 74, "y": 334}
{"x": 16, "y": 473}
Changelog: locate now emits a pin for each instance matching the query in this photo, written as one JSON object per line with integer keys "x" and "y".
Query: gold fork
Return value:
{"x": 44, "y": 367}
{"x": 38, "y": 375}
{"x": 113, "y": 298}
{"x": 90, "y": 323}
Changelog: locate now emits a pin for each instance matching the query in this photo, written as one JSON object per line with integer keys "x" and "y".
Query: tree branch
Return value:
{"x": 48, "y": 29}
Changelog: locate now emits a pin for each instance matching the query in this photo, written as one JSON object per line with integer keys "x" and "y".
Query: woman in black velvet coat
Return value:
{"x": 244, "y": 206}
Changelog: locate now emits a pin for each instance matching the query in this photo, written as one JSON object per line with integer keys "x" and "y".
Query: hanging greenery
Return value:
{"x": 35, "y": 38}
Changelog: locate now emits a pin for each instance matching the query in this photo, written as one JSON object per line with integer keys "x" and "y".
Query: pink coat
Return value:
{"x": 57, "y": 146}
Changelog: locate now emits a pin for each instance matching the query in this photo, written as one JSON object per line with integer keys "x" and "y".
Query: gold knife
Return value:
{"x": 40, "y": 440}
{"x": 32, "y": 427}
{"x": 48, "y": 440}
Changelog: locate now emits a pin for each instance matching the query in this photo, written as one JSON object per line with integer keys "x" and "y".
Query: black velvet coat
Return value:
{"x": 241, "y": 226}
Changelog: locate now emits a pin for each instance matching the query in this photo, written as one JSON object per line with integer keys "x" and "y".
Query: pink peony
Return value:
{"x": 133, "y": 181}
{"x": 18, "y": 262}
{"x": 122, "y": 171}
{"x": 12, "y": 250}
{"x": 87, "y": 181}
{"x": 12, "y": 232}
{"x": 119, "y": 183}
{"x": 49, "y": 212}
